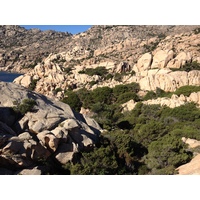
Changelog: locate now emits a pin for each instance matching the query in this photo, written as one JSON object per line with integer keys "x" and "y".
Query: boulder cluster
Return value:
{"x": 50, "y": 130}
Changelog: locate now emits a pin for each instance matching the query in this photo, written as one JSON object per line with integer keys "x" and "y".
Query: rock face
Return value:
{"x": 50, "y": 130}
{"x": 168, "y": 80}
{"x": 161, "y": 58}
{"x": 193, "y": 167}
{"x": 172, "y": 102}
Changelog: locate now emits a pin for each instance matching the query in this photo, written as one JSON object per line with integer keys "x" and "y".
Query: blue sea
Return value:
{"x": 7, "y": 76}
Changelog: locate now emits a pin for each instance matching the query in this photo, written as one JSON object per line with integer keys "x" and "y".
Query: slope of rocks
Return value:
{"x": 22, "y": 49}
{"x": 157, "y": 61}
{"x": 152, "y": 56}
{"x": 51, "y": 130}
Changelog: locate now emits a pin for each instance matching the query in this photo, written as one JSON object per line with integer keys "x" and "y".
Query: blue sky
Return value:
{"x": 74, "y": 29}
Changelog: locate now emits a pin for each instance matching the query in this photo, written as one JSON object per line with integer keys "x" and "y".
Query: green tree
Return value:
{"x": 100, "y": 161}
{"x": 72, "y": 100}
{"x": 102, "y": 95}
{"x": 146, "y": 133}
{"x": 168, "y": 151}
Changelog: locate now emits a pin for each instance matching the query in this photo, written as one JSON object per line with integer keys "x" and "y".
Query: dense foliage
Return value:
{"x": 146, "y": 140}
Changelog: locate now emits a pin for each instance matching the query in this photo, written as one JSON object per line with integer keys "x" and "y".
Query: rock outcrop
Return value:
{"x": 168, "y": 80}
{"x": 143, "y": 54}
{"x": 193, "y": 167}
{"x": 49, "y": 130}
{"x": 172, "y": 102}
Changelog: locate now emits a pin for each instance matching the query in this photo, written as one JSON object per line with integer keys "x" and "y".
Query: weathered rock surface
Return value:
{"x": 50, "y": 130}
{"x": 172, "y": 102}
{"x": 193, "y": 167}
{"x": 169, "y": 80}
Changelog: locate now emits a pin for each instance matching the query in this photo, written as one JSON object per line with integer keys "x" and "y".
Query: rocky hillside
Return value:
{"x": 35, "y": 130}
{"x": 21, "y": 49}
{"x": 140, "y": 83}
{"x": 153, "y": 56}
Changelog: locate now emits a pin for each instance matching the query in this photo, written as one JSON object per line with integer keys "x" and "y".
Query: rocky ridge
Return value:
{"x": 158, "y": 64}
{"x": 172, "y": 102}
{"x": 21, "y": 49}
{"x": 49, "y": 131}
{"x": 154, "y": 59}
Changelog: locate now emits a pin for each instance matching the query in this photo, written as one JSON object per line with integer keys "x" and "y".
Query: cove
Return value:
{"x": 8, "y": 76}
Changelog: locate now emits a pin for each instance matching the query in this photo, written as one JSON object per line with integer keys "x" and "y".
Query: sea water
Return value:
{"x": 8, "y": 77}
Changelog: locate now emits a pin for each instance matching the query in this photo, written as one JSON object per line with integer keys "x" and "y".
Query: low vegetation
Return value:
{"x": 188, "y": 67}
{"x": 100, "y": 71}
{"x": 146, "y": 140}
{"x": 25, "y": 106}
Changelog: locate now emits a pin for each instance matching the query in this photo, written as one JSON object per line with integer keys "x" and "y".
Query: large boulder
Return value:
{"x": 170, "y": 80}
{"x": 180, "y": 60}
{"x": 144, "y": 62}
{"x": 191, "y": 168}
{"x": 49, "y": 130}
{"x": 161, "y": 58}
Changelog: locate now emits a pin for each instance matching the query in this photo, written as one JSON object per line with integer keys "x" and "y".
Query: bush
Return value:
{"x": 118, "y": 77}
{"x": 25, "y": 106}
{"x": 100, "y": 71}
{"x": 72, "y": 100}
{"x": 149, "y": 95}
{"x": 101, "y": 161}
{"x": 187, "y": 90}
{"x": 68, "y": 70}
{"x": 188, "y": 67}
{"x": 123, "y": 98}
{"x": 58, "y": 90}
{"x": 108, "y": 76}
{"x": 102, "y": 95}
{"x": 167, "y": 151}
{"x": 183, "y": 113}
{"x": 121, "y": 89}
{"x": 33, "y": 84}
{"x": 85, "y": 97}
{"x": 146, "y": 133}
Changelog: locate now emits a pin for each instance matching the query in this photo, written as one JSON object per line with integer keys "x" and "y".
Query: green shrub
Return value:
{"x": 68, "y": 70}
{"x": 25, "y": 106}
{"x": 102, "y": 95}
{"x": 188, "y": 67}
{"x": 93, "y": 83}
{"x": 118, "y": 77}
{"x": 72, "y": 100}
{"x": 58, "y": 90}
{"x": 101, "y": 71}
{"x": 149, "y": 95}
{"x": 183, "y": 113}
{"x": 121, "y": 89}
{"x": 187, "y": 90}
{"x": 167, "y": 151}
{"x": 100, "y": 161}
{"x": 108, "y": 76}
{"x": 125, "y": 97}
{"x": 146, "y": 133}
{"x": 85, "y": 97}
{"x": 33, "y": 84}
